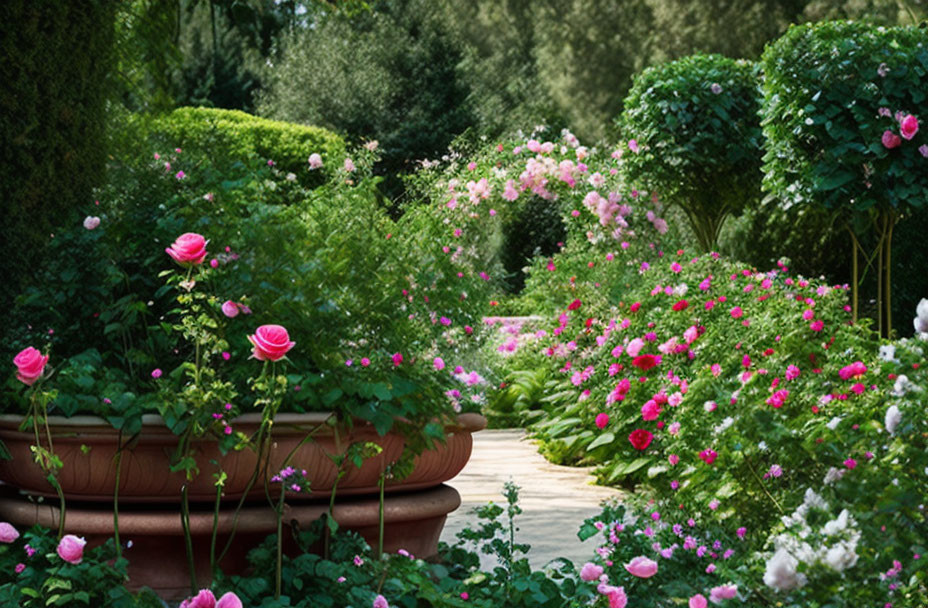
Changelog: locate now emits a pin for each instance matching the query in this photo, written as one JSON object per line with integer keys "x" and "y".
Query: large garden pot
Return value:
{"x": 412, "y": 521}
{"x": 87, "y": 446}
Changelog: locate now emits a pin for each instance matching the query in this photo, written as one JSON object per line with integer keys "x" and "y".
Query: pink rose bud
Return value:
{"x": 71, "y": 549}
{"x": 91, "y": 222}
{"x": 908, "y": 127}
{"x": 7, "y": 533}
{"x": 271, "y": 343}
{"x": 188, "y": 249}
{"x": 230, "y": 309}
{"x": 380, "y": 602}
{"x": 642, "y": 567}
{"x": 30, "y": 363}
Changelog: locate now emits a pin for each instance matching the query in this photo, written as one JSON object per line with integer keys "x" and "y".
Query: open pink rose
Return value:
{"x": 380, "y": 602}
{"x": 271, "y": 343}
{"x": 71, "y": 548}
{"x": 891, "y": 140}
{"x": 591, "y": 572}
{"x": 206, "y": 599}
{"x": 723, "y": 592}
{"x": 189, "y": 248}
{"x": 30, "y": 363}
{"x": 8, "y": 533}
{"x": 642, "y": 567}
{"x": 602, "y": 420}
{"x": 908, "y": 126}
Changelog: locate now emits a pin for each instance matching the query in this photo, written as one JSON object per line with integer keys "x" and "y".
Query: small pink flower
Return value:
{"x": 397, "y": 359}
{"x": 642, "y": 567}
{"x": 602, "y": 420}
{"x": 91, "y": 222}
{"x": 71, "y": 548}
{"x": 633, "y": 145}
{"x": 230, "y": 309}
{"x": 365, "y": 361}
{"x": 19, "y": 568}
{"x": 30, "y": 364}
{"x": 890, "y": 140}
{"x": 850, "y": 463}
{"x": 698, "y": 601}
{"x": 908, "y": 127}
{"x": 736, "y": 312}
{"x": 206, "y": 599}
{"x": 723, "y": 592}
{"x": 315, "y": 160}
{"x": 8, "y": 533}
{"x": 156, "y": 373}
{"x": 380, "y": 602}
{"x": 271, "y": 343}
{"x": 591, "y": 572}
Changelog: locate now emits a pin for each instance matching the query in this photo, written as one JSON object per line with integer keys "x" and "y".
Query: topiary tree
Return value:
{"x": 694, "y": 136}
{"x": 841, "y": 103}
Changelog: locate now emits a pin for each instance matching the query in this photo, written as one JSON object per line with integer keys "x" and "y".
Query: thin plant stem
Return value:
{"x": 280, "y": 542}
{"x": 212, "y": 540}
{"x": 762, "y": 486}
{"x": 382, "y": 483}
{"x": 188, "y": 540}
{"x": 891, "y": 221}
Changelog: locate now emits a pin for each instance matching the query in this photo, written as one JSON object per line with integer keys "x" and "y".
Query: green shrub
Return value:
{"x": 236, "y": 135}
{"x": 694, "y": 136}
{"x": 56, "y": 56}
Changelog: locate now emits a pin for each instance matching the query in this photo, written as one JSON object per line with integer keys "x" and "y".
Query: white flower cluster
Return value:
{"x": 833, "y": 546}
{"x": 921, "y": 319}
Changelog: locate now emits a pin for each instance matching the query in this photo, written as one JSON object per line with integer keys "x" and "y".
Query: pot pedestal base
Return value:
{"x": 157, "y": 559}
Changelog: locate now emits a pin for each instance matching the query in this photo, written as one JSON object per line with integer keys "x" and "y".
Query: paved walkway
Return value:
{"x": 555, "y": 500}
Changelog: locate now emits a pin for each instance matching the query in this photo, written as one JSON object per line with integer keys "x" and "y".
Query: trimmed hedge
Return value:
{"x": 697, "y": 138}
{"x": 237, "y": 135}
{"x": 52, "y": 115}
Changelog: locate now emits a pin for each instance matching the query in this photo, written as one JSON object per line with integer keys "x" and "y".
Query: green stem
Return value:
{"x": 212, "y": 540}
{"x": 762, "y": 486}
{"x": 188, "y": 540}
{"x": 891, "y": 221}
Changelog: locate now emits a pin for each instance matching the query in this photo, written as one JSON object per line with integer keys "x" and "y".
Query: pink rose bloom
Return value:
{"x": 30, "y": 363}
{"x": 8, "y": 533}
{"x": 380, "y": 602}
{"x": 591, "y": 572}
{"x": 397, "y": 359}
{"x": 634, "y": 347}
{"x": 723, "y": 592}
{"x": 315, "y": 161}
{"x": 698, "y": 601}
{"x": 439, "y": 364}
{"x": 650, "y": 410}
{"x": 206, "y": 599}
{"x": 602, "y": 420}
{"x": 271, "y": 343}
{"x": 642, "y": 567}
{"x": 908, "y": 127}
{"x": 617, "y": 597}
{"x": 230, "y": 309}
{"x": 736, "y": 312}
{"x": 188, "y": 249}
{"x": 71, "y": 548}
{"x": 91, "y": 222}
{"x": 633, "y": 145}
{"x": 890, "y": 140}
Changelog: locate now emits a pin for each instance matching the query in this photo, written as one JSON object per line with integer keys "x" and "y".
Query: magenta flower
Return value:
{"x": 8, "y": 533}
{"x": 602, "y": 420}
{"x": 30, "y": 364}
{"x": 156, "y": 373}
{"x": 188, "y": 249}
{"x": 908, "y": 127}
{"x": 591, "y": 572}
{"x": 698, "y": 601}
{"x": 397, "y": 359}
{"x": 380, "y": 602}
{"x": 206, "y": 599}
{"x": 230, "y": 308}
{"x": 708, "y": 455}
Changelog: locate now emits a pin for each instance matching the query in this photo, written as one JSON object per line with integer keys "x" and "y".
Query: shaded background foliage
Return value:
{"x": 409, "y": 73}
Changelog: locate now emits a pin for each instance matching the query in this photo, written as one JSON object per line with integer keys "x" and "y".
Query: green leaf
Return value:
{"x": 604, "y": 439}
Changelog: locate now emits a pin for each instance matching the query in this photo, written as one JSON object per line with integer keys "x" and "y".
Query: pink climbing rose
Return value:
{"x": 8, "y": 533}
{"x": 698, "y": 601}
{"x": 206, "y": 599}
{"x": 189, "y": 249}
{"x": 891, "y": 140}
{"x": 591, "y": 572}
{"x": 30, "y": 363}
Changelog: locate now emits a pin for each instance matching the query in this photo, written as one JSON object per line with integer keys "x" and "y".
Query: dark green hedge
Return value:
{"x": 54, "y": 56}
{"x": 237, "y": 135}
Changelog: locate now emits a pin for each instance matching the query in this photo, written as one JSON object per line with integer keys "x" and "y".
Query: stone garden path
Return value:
{"x": 555, "y": 499}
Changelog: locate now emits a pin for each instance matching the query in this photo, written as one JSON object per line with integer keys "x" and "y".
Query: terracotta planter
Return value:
{"x": 412, "y": 521}
{"x": 87, "y": 446}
